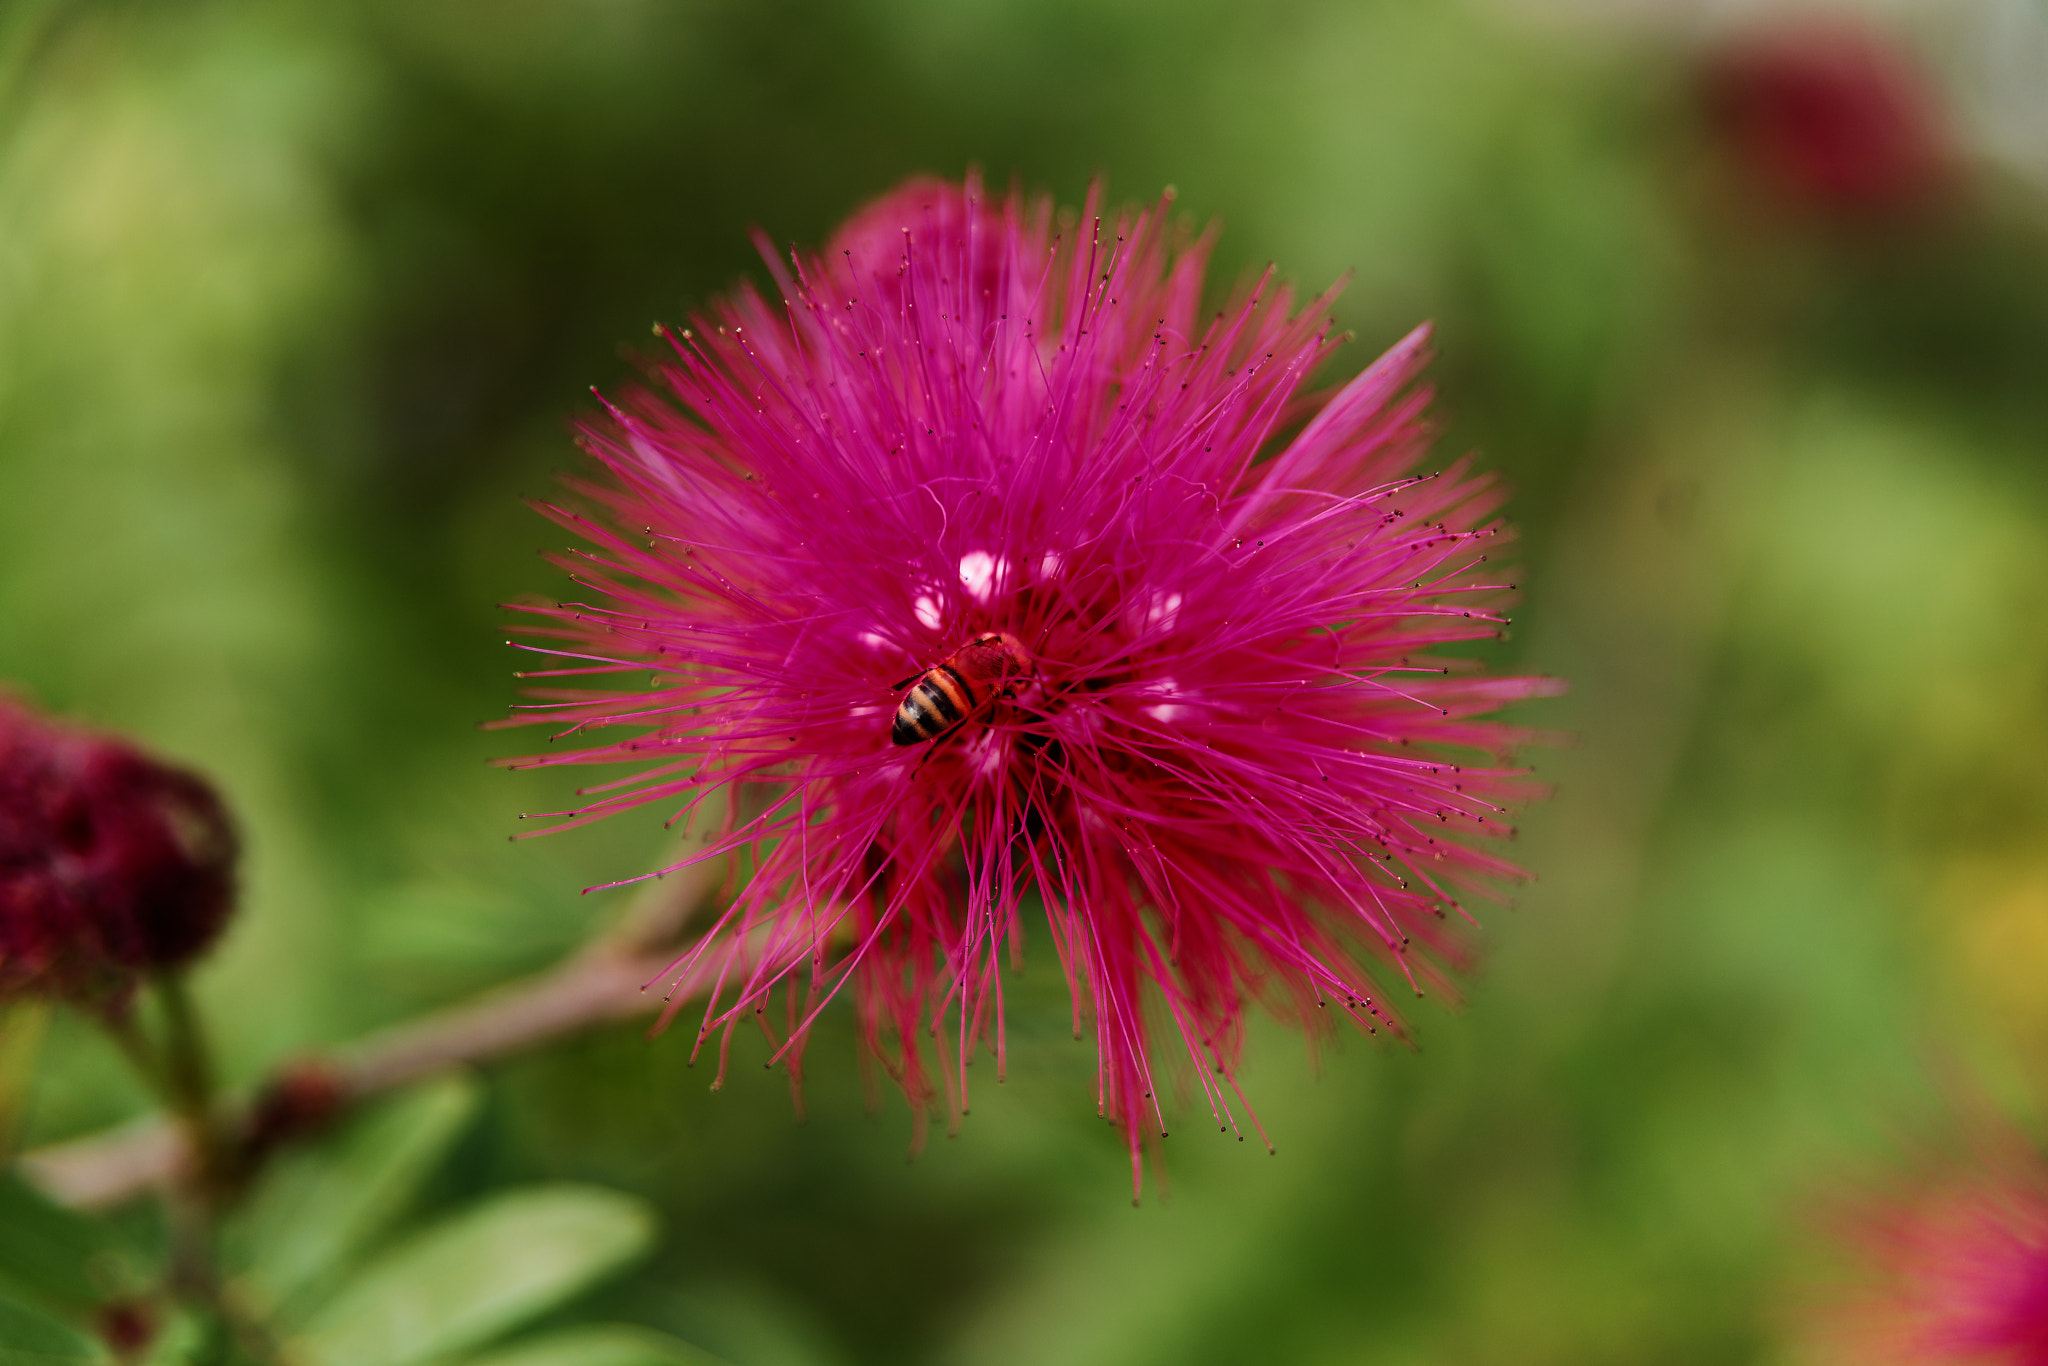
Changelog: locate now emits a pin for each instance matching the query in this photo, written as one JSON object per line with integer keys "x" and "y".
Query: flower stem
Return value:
{"x": 179, "y": 1068}
{"x": 22, "y": 1026}
{"x": 194, "y": 1201}
{"x": 189, "y": 1090}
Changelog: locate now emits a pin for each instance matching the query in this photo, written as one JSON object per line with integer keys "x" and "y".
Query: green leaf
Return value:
{"x": 744, "y": 1319}
{"x": 183, "y": 1338}
{"x": 472, "y": 1277}
{"x": 607, "y": 1344}
{"x": 317, "y": 1209}
{"x": 30, "y": 1338}
{"x": 56, "y": 1255}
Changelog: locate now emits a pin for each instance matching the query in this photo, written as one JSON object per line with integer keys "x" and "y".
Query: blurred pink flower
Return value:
{"x": 1202, "y": 723}
{"x": 1832, "y": 114}
{"x": 111, "y": 864}
{"x": 1956, "y": 1270}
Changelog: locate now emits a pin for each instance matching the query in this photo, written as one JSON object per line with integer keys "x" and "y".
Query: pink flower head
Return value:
{"x": 985, "y": 571}
{"x": 1958, "y": 1271}
{"x": 111, "y": 864}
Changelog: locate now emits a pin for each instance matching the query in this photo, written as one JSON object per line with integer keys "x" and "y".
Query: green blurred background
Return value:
{"x": 297, "y": 301}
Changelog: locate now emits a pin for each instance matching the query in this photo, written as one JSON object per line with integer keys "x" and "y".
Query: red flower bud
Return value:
{"x": 127, "y": 1326}
{"x": 111, "y": 863}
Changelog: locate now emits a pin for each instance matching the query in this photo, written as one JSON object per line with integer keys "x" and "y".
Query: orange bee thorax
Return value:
{"x": 960, "y": 685}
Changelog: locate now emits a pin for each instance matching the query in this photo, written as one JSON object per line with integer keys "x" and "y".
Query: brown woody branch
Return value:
{"x": 603, "y": 982}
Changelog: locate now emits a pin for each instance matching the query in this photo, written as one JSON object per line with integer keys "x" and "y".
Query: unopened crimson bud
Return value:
{"x": 127, "y": 1326}
{"x": 113, "y": 865}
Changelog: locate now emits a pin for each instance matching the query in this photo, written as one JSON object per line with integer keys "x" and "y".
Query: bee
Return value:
{"x": 963, "y": 683}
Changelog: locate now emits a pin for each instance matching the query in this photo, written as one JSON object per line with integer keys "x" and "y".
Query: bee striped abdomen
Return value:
{"x": 934, "y": 706}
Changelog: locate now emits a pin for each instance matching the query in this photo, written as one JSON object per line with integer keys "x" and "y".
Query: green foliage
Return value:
{"x": 465, "y": 1280}
{"x": 31, "y": 1338}
{"x": 452, "y": 1286}
{"x": 605, "y": 1345}
{"x": 58, "y": 1257}
{"x": 316, "y": 1270}
{"x": 318, "y": 1209}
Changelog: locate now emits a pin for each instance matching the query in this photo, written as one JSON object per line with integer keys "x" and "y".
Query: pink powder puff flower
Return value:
{"x": 1956, "y": 1270}
{"x": 987, "y": 476}
{"x": 112, "y": 864}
